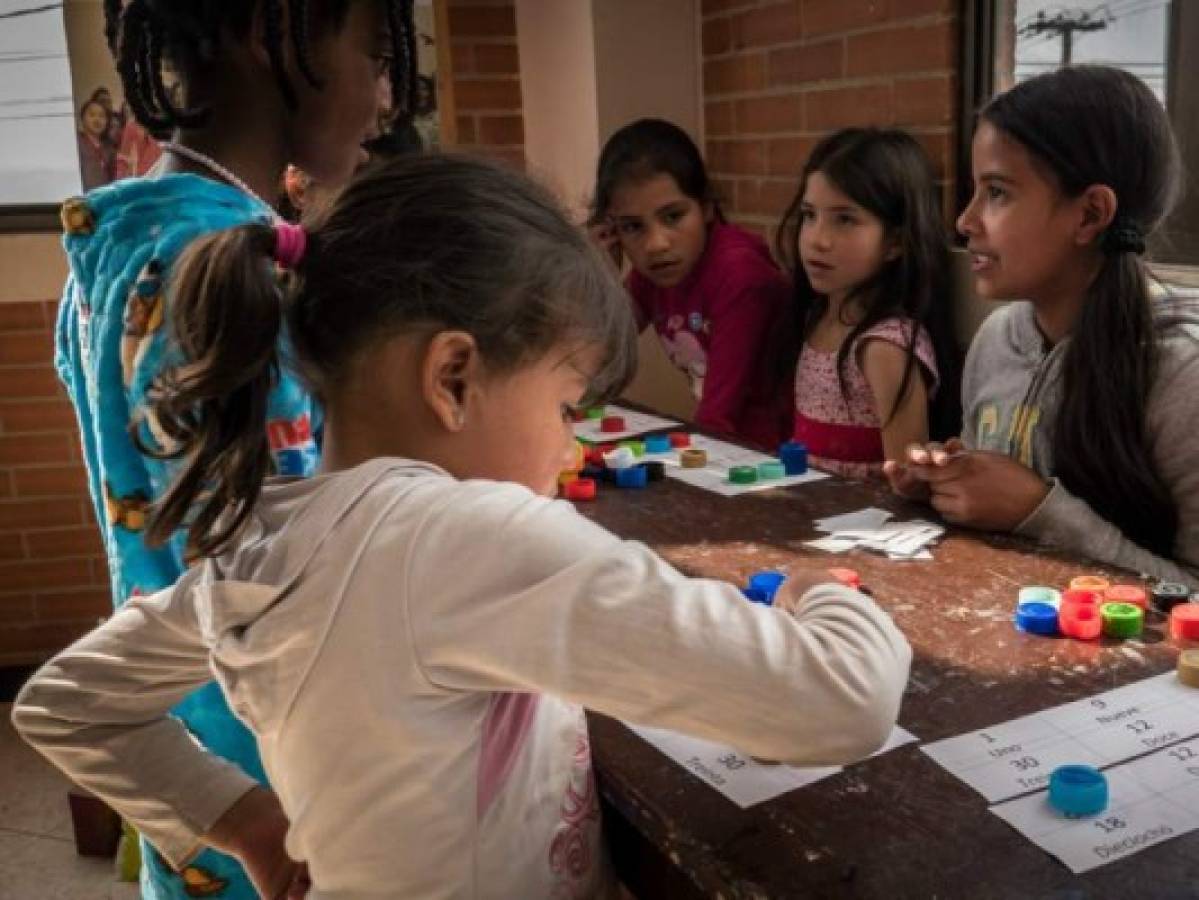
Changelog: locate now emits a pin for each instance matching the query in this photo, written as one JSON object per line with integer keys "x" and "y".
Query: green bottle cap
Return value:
{"x": 1122, "y": 620}
{"x": 595, "y": 412}
{"x": 771, "y": 471}
{"x": 743, "y": 474}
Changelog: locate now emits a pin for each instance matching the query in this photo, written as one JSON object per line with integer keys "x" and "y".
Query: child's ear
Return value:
{"x": 1097, "y": 209}
{"x": 451, "y": 371}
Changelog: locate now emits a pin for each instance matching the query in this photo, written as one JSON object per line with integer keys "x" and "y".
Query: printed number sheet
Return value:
{"x": 723, "y": 456}
{"x": 636, "y": 423}
{"x": 741, "y": 778}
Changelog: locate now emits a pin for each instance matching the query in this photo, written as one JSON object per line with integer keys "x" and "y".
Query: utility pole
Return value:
{"x": 1066, "y": 24}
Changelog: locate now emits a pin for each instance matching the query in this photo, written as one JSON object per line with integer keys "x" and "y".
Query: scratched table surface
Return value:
{"x": 897, "y": 825}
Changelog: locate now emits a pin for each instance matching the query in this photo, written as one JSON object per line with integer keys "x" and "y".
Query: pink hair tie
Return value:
{"x": 290, "y": 243}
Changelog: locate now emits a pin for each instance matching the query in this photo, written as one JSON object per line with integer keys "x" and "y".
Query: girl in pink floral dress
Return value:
{"x": 877, "y": 366}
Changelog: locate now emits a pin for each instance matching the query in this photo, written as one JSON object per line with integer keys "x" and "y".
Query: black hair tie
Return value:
{"x": 1123, "y": 236}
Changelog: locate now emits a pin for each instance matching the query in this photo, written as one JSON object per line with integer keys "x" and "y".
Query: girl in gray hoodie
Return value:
{"x": 1078, "y": 398}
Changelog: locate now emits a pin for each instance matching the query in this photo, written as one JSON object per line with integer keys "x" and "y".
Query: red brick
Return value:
{"x": 25, "y": 348}
{"x": 726, "y": 193}
{"x": 828, "y": 16}
{"x": 23, "y": 316}
{"x": 35, "y": 449}
{"x": 711, "y": 7}
{"x": 764, "y": 198}
{"x": 769, "y": 114}
{"x": 16, "y": 608}
{"x": 910, "y": 9}
{"x": 811, "y": 62}
{"x": 921, "y": 48}
{"x": 23, "y": 514}
{"x": 498, "y": 59}
{"x": 735, "y": 74}
{"x": 842, "y": 107}
{"x": 716, "y": 36}
{"x": 37, "y": 415}
{"x": 462, "y": 58}
{"x": 23, "y": 383}
{"x": 50, "y": 481}
{"x": 59, "y": 542}
{"x": 25, "y": 643}
{"x": 786, "y": 156}
{"x": 487, "y": 93}
{"x": 11, "y": 547}
{"x": 466, "y": 130}
{"x": 774, "y": 24}
{"x": 482, "y": 21}
{"x": 501, "y": 130}
{"x": 77, "y": 605}
{"x": 718, "y": 120}
{"x": 32, "y": 575}
{"x": 925, "y": 101}
{"x": 737, "y": 157}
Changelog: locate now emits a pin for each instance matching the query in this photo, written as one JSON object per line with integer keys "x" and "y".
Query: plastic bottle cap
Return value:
{"x": 693, "y": 459}
{"x": 1035, "y": 617}
{"x": 1090, "y": 583}
{"x": 1168, "y": 594}
{"x": 612, "y": 424}
{"x": 595, "y": 412}
{"x": 757, "y": 595}
{"x": 1127, "y": 593}
{"x": 794, "y": 457}
{"x": 565, "y": 478}
{"x": 847, "y": 577}
{"x": 1184, "y": 622}
{"x": 743, "y": 474}
{"x": 767, "y": 582}
{"x": 1188, "y": 668}
{"x": 638, "y": 447}
{"x": 632, "y": 477}
{"x": 771, "y": 471}
{"x": 680, "y": 439}
{"x": 656, "y": 470}
{"x": 1080, "y": 621}
{"x": 1039, "y": 594}
{"x": 1122, "y": 620}
{"x": 657, "y": 443}
{"x": 580, "y": 489}
{"x": 1076, "y": 597}
{"x": 620, "y": 458}
{"x": 1078, "y": 790}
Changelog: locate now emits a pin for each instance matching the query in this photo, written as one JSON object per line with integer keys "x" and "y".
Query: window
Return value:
{"x": 39, "y": 163}
{"x": 1008, "y": 41}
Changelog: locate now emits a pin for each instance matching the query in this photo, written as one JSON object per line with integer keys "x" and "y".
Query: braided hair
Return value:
{"x": 187, "y": 34}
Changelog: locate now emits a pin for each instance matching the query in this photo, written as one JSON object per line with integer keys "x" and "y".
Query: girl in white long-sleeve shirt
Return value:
{"x": 413, "y": 635}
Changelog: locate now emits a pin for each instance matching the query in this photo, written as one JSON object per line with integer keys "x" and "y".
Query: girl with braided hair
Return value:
{"x": 235, "y": 91}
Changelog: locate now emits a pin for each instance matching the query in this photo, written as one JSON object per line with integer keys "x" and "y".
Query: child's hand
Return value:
{"x": 983, "y": 490}
{"x": 253, "y": 830}
{"x": 904, "y": 475}
{"x": 603, "y": 233}
{"x": 799, "y": 582}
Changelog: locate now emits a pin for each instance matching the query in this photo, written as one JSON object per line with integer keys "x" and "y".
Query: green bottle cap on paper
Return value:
{"x": 1122, "y": 620}
{"x": 638, "y": 447}
{"x": 595, "y": 412}
{"x": 743, "y": 474}
{"x": 771, "y": 471}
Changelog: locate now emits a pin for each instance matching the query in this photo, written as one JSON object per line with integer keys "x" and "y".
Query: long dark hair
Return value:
{"x": 646, "y": 148}
{"x": 188, "y": 34}
{"x": 885, "y": 172}
{"x": 1089, "y": 125}
{"x": 420, "y": 244}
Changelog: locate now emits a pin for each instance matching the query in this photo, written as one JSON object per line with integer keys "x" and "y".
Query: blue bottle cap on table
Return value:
{"x": 767, "y": 581}
{"x": 1036, "y": 617}
{"x": 757, "y": 595}
{"x": 1078, "y": 790}
{"x": 658, "y": 443}
{"x": 794, "y": 457}
{"x": 632, "y": 477}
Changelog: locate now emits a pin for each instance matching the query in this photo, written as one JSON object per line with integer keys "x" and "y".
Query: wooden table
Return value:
{"x": 897, "y": 825}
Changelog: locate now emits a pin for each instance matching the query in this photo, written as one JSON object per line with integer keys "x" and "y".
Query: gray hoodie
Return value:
{"x": 1011, "y": 392}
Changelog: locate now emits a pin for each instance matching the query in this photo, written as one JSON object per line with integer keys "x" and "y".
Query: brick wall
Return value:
{"x": 778, "y": 76}
{"x": 53, "y": 576}
{"x": 486, "y": 78}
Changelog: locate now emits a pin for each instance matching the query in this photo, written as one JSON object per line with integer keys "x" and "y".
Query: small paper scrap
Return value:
{"x": 871, "y": 529}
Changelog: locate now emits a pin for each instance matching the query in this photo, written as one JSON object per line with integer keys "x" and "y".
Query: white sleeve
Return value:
{"x": 99, "y": 711}
{"x": 507, "y": 591}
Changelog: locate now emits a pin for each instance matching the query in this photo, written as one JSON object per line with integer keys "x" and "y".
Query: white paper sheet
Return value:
{"x": 636, "y": 423}
{"x": 741, "y": 778}
{"x": 723, "y": 456}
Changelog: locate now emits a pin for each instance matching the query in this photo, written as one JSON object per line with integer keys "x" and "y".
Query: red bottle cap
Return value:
{"x": 1184, "y": 622}
{"x": 680, "y": 439}
{"x": 1077, "y": 597}
{"x": 1127, "y": 593}
{"x": 1080, "y": 620}
{"x": 612, "y": 424}
{"x": 847, "y": 577}
{"x": 579, "y": 489}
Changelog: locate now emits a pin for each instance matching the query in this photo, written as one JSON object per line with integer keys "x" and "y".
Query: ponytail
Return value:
{"x": 210, "y": 411}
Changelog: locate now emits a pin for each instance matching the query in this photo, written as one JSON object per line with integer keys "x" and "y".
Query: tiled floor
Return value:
{"x": 37, "y": 853}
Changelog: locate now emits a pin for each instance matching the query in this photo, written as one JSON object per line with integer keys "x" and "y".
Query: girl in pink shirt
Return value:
{"x": 864, "y": 239}
{"x": 710, "y": 289}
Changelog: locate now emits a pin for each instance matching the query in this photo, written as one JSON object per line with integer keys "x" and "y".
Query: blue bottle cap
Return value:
{"x": 632, "y": 477}
{"x": 794, "y": 457}
{"x": 767, "y": 582}
{"x": 757, "y": 595}
{"x": 657, "y": 443}
{"x": 1078, "y": 790}
{"x": 1036, "y": 617}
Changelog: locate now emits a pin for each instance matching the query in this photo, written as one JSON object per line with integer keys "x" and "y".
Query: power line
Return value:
{"x": 62, "y": 115}
{"x": 31, "y": 11}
